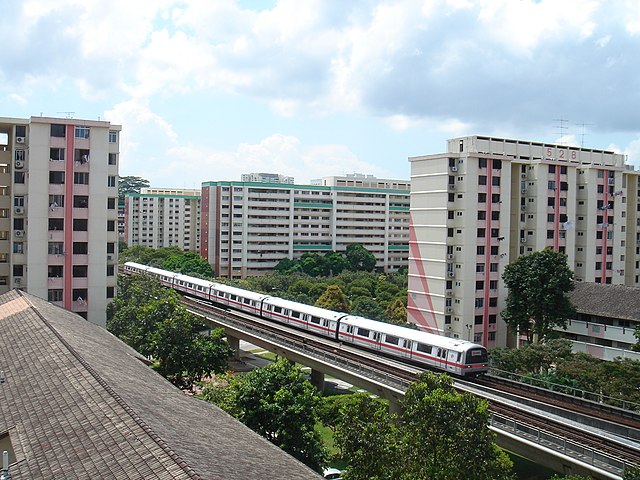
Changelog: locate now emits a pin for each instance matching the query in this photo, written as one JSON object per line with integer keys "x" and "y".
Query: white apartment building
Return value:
{"x": 267, "y": 178}
{"x": 477, "y": 207}
{"x": 247, "y": 228}
{"x": 58, "y": 211}
{"x": 163, "y": 217}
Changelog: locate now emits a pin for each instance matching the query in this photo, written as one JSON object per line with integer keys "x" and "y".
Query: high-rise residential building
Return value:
{"x": 163, "y": 217}
{"x": 248, "y": 227}
{"x": 266, "y": 178}
{"x": 58, "y": 211}
{"x": 486, "y": 201}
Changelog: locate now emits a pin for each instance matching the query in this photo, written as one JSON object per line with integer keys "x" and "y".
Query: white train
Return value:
{"x": 451, "y": 355}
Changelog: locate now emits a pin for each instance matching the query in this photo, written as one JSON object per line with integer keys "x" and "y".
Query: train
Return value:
{"x": 452, "y": 355}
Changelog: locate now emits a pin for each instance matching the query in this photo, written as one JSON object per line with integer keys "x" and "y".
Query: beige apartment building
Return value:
{"x": 248, "y": 227}
{"x": 163, "y": 217}
{"x": 58, "y": 211}
{"x": 486, "y": 201}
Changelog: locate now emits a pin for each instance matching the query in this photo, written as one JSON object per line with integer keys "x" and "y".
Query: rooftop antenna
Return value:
{"x": 4, "y": 473}
{"x": 583, "y": 134}
{"x": 561, "y": 129}
{"x": 67, "y": 114}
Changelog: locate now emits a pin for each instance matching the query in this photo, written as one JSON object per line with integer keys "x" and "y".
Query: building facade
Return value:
{"x": 486, "y": 201}
{"x": 267, "y": 178}
{"x": 58, "y": 211}
{"x": 247, "y": 228}
{"x": 163, "y": 217}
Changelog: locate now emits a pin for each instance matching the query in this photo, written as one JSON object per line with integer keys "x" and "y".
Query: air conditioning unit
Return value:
{"x": 523, "y": 191}
{"x": 447, "y": 327}
{"x": 449, "y": 256}
{"x": 19, "y": 139}
{"x": 449, "y": 309}
{"x": 19, "y": 233}
{"x": 452, "y": 186}
{"x": 523, "y": 208}
{"x": 449, "y": 293}
{"x": 17, "y": 280}
{"x": 454, "y": 168}
{"x": 18, "y": 210}
{"x": 109, "y": 257}
{"x": 451, "y": 274}
{"x": 523, "y": 176}
{"x": 19, "y": 164}
{"x": 523, "y": 239}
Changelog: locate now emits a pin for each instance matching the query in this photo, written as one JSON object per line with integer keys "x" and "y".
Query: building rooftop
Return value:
{"x": 615, "y": 301}
{"x": 76, "y": 402}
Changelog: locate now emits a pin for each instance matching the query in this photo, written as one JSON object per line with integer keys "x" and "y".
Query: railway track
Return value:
{"x": 609, "y": 453}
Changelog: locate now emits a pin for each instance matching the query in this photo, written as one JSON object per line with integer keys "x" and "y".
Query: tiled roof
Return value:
{"x": 615, "y": 301}
{"x": 80, "y": 404}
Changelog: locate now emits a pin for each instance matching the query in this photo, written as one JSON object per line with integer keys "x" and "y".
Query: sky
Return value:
{"x": 206, "y": 90}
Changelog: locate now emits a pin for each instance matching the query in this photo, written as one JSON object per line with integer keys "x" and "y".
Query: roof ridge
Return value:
{"x": 127, "y": 408}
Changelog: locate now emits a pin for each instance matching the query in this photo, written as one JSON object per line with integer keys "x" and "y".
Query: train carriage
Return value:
{"x": 237, "y": 298}
{"x": 315, "y": 319}
{"x": 196, "y": 287}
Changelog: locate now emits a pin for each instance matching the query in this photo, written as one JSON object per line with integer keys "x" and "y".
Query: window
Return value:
{"x": 363, "y": 332}
{"x": 480, "y": 250}
{"x": 482, "y": 198}
{"x": 19, "y": 177}
{"x": 111, "y": 203}
{"x": 56, "y": 154}
{"x": 21, "y": 130}
{"x": 111, "y": 270}
{"x": 481, "y": 233}
{"x": 110, "y": 292}
{"x": 56, "y": 178}
{"x": 58, "y": 130}
{"x": 479, "y": 302}
{"x": 495, "y": 198}
{"x": 482, "y": 179}
{"x": 18, "y": 247}
{"x": 80, "y": 248}
{"x": 113, "y": 136}
{"x": 81, "y": 178}
{"x": 113, "y": 158}
{"x": 495, "y": 215}
{"x": 55, "y": 271}
{"x": 80, "y": 201}
{"x": 482, "y": 163}
{"x": 80, "y": 225}
{"x": 18, "y": 270}
{"x": 18, "y": 201}
{"x": 482, "y": 215}
{"x": 421, "y": 347}
{"x": 80, "y": 270}
{"x": 111, "y": 247}
{"x": 477, "y": 320}
{"x": 111, "y": 181}
{"x": 56, "y": 201}
{"x": 54, "y": 295}
{"x": 111, "y": 225}
{"x": 56, "y": 224}
{"x": 493, "y": 267}
{"x": 494, "y": 250}
{"x": 56, "y": 248}
{"x": 81, "y": 132}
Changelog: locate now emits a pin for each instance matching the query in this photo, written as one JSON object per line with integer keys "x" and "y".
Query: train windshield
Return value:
{"x": 477, "y": 355}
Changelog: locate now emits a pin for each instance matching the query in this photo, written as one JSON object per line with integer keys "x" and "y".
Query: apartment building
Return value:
{"x": 267, "y": 178}
{"x": 58, "y": 211}
{"x": 248, "y": 227}
{"x": 486, "y": 201}
{"x": 163, "y": 217}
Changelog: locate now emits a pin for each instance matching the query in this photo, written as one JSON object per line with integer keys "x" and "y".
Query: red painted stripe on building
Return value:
{"x": 556, "y": 225}
{"x": 420, "y": 316}
{"x": 487, "y": 261}
{"x": 68, "y": 218}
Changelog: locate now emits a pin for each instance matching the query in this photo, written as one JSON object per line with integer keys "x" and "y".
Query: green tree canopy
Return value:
{"x": 396, "y": 312}
{"x": 537, "y": 300}
{"x": 367, "y": 307}
{"x": 359, "y": 258}
{"x": 278, "y": 403}
{"x": 441, "y": 434}
{"x": 333, "y": 299}
{"x": 151, "y": 319}
{"x": 131, "y": 184}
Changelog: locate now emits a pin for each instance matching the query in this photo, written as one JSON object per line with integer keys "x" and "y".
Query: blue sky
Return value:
{"x": 210, "y": 89}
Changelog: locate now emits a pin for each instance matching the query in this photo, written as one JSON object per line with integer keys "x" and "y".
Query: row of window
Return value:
{"x": 60, "y": 131}
{"x": 79, "y": 178}
{"x": 79, "y": 294}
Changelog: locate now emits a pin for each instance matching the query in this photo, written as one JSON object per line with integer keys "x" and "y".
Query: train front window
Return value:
{"x": 477, "y": 355}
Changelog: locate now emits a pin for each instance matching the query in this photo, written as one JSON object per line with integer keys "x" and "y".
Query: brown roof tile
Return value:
{"x": 81, "y": 405}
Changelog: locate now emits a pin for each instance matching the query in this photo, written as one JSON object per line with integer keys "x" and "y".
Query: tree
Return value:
{"x": 287, "y": 266}
{"x": 441, "y": 434}
{"x": 333, "y": 299}
{"x": 445, "y": 434}
{"x": 151, "y": 319}
{"x": 367, "y": 307}
{"x": 359, "y": 258}
{"x": 366, "y": 434}
{"x": 537, "y": 300}
{"x": 636, "y": 334}
{"x": 278, "y": 403}
{"x": 188, "y": 263}
{"x": 131, "y": 184}
{"x": 396, "y": 312}
{"x": 336, "y": 263}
